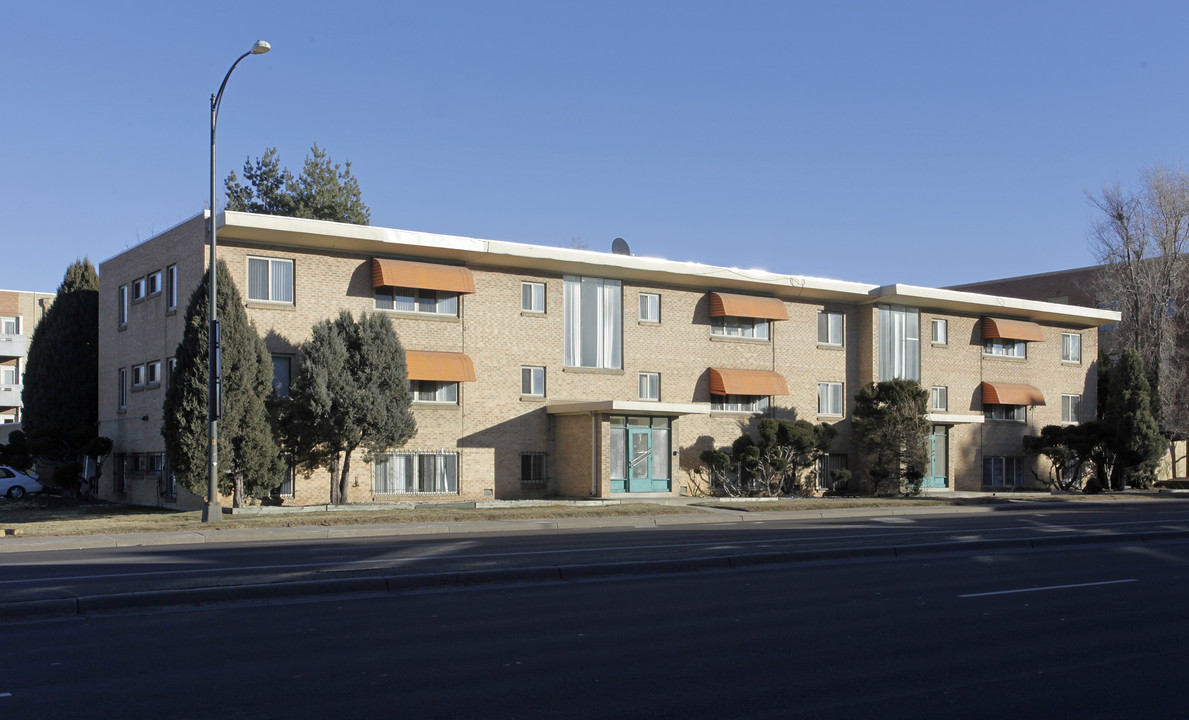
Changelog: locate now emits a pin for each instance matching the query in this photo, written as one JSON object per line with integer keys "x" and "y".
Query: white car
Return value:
{"x": 17, "y": 484}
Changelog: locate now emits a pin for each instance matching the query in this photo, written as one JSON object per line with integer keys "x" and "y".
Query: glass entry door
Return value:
{"x": 639, "y": 454}
{"x": 939, "y": 456}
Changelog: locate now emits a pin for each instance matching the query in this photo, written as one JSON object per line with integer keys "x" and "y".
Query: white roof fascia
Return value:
{"x": 978, "y": 303}
{"x": 640, "y": 407}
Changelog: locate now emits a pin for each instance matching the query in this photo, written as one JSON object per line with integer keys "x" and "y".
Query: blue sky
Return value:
{"x": 929, "y": 143}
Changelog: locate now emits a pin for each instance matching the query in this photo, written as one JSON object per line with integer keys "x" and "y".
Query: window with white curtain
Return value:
{"x": 1071, "y": 408}
{"x": 650, "y": 386}
{"x": 1071, "y": 347}
{"x": 938, "y": 397}
{"x": 434, "y": 391}
{"x": 593, "y": 331}
{"x": 10, "y": 325}
{"x": 270, "y": 280}
{"x": 416, "y": 472}
{"x": 899, "y": 343}
{"x": 829, "y": 327}
{"x": 829, "y": 398}
{"x": 532, "y": 381}
{"x": 416, "y": 300}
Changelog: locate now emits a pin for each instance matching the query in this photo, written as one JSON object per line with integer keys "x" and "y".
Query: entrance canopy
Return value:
{"x": 627, "y": 407}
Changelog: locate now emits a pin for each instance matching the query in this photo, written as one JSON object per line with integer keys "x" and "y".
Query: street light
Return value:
{"x": 212, "y": 512}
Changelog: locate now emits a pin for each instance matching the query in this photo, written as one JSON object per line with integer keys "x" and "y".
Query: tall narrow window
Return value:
{"x": 532, "y": 297}
{"x": 270, "y": 280}
{"x": 171, "y": 287}
{"x": 899, "y": 343}
{"x": 829, "y": 328}
{"x": 153, "y": 372}
{"x": 154, "y": 282}
{"x": 123, "y": 309}
{"x": 138, "y": 288}
{"x": 282, "y": 374}
{"x": 122, "y": 389}
{"x": 1071, "y": 347}
{"x": 593, "y": 332}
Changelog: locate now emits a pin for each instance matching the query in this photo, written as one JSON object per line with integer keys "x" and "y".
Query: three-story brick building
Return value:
{"x": 540, "y": 371}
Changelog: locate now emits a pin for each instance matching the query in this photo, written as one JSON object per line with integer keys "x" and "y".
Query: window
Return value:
{"x": 739, "y": 403}
{"x": 416, "y": 472}
{"x": 650, "y": 307}
{"x": 532, "y": 381}
{"x": 826, "y": 465}
{"x": 10, "y": 326}
{"x": 416, "y": 300}
{"x": 282, "y": 374}
{"x": 270, "y": 280}
{"x": 532, "y": 469}
{"x": 532, "y": 297}
{"x": 899, "y": 343}
{"x": 650, "y": 386}
{"x": 1014, "y": 413}
{"x": 122, "y": 389}
{"x": 9, "y": 375}
{"x": 938, "y": 398}
{"x": 593, "y": 333}
{"x": 829, "y": 328}
{"x": 119, "y": 473}
{"x": 1005, "y": 348}
{"x": 153, "y": 372}
{"x": 137, "y": 375}
{"x": 154, "y": 462}
{"x": 1071, "y": 408}
{"x": 155, "y": 283}
{"x": 434, "y": 391}
{"x": 171, "y": 287}
{"x": 138, "y": 286}
{"x": 167, "y": 483}
{"x": 1003, "y": 471}
{"x": 123, "y": 309}
{"x": 829, "y": 398}
{"x": 1071, "y": 347}
{"x": 287, "y": 487}
{"x": 639, "y": 453}
{"x": 739, "y": 327}
{"x": 940, "y": 331}
{"x": 171, "y": 368}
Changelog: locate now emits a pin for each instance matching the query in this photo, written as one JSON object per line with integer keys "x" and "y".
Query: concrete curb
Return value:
{"x": 59, "y": 608}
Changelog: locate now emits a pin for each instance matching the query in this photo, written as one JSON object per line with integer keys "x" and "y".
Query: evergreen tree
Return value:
{"x": 350, "y": 391}
{"x": 892, "y": 433}
{"x": 1136, "y": 439}
{"x": 61, "y": 386}
{"x": 249, "y": 461}
{"x": 324, "y": 190}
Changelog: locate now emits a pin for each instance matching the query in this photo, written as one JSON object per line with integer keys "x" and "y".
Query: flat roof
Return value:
{"x": 367, "y": 239}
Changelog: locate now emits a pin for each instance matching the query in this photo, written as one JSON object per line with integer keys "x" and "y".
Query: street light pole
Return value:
{"x": 211, "y": 512}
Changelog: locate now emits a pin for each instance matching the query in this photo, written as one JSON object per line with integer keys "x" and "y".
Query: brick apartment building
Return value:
{"x": 541, "y": 371}
{"x": 20, "y": 311}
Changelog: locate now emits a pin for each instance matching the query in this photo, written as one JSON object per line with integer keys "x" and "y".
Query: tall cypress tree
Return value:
{"x": 249, "y": 461}
{"x": 61, "y": 389}
{"x": 1136, "y": 438}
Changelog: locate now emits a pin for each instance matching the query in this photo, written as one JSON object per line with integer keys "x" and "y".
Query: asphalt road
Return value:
{"x": 781, "y": 537}
{"x": 1087, "y": 632}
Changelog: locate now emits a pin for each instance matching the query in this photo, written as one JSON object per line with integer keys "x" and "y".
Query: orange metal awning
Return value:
{"x": 439, "y": 366}
{"x": 724, "y": 381}
{"x": 424, "y": 276}
{"x": 749, "y": 306}
{"x": 1011, "y": 394}
{"x": 998, "y": 328}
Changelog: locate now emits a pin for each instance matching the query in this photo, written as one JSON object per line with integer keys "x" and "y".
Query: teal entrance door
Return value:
{"x": 939, "y": 458}
{"x": 639, "y": 454}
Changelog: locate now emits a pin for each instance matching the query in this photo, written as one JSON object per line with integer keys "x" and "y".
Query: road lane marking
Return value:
{"x": 1049, "y": 587}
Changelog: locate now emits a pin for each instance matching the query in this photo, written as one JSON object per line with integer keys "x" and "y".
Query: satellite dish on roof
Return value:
{"x": 620, "y": 247}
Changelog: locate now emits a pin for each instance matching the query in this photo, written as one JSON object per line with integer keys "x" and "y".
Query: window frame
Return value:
{"x": 943, "y": 394}
{"x": 825, "y": 322}
{"x": 537, "y": 469}
{"x": 122, "y": 309}
{"x": 735, "y": 404}
{"x": 153, "y": 279}
{"x": 414, "y": 484}
{"x": 270, "y": 279}
{"x": 733, "y": 326}
{"x": 942, "y": 337}
{"x": 171, "y": 287}
{"x": 122, "y": 389}
{"x": 16, "y": 324}
{"x": 286, "y": 360}
{"x": 153, "y": 373}
{"x": 418, "y": 389}
{"x": 529, "y": 297}
{"x": 532, "y": 373}
{"x": 645, "y": 383}
{"x": 138, "y": 375}
{"x": 998, "y": 347}
{"x": 1071, "y": 408}
{"x": 990, "y": 413}
{"x": 898, "y": 357}
{"x": 445, "y": 302}
{"x": 1017, "y": 465}
{"x": 649, "y": 307}
{"x": 834, "y": 398}
{"x": 139, "y": 285}
{"x": 605, "y": 344}
{"x": 1068, "y": 355}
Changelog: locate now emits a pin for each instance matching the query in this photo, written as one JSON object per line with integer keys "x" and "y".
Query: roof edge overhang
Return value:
{"x": 978, "y": 304}
{"x": 627, "y": 407}
{"x": 954, "y": 419}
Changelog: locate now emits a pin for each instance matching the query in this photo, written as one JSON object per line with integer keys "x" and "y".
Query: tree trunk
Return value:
{"x": 343, "y": 478}
{"x": 237, "y": 496}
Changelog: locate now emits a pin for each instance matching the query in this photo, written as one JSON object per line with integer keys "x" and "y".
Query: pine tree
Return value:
{"x": 892, "y": 432}
{"x": 324, "y": 190}
{"x": 249, "y": 461}
{"x": 1136, "y": 439}
{"x": 350, "y": 391}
